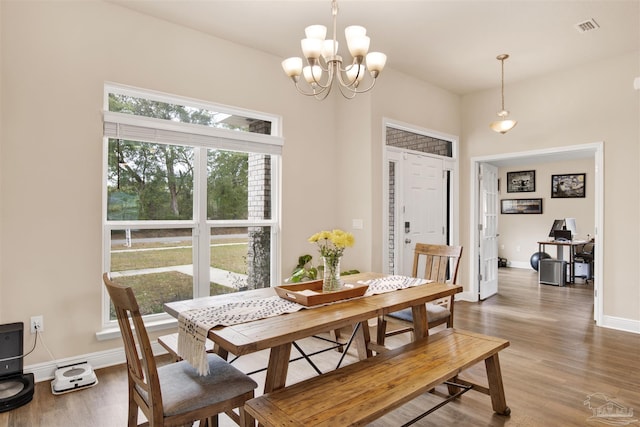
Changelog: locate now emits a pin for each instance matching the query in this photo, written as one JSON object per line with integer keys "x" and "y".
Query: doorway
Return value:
{"x": 593, "y": 151}
{"x": 420, "y": 205}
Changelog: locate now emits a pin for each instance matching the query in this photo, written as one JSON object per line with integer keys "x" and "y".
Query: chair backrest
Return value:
{"x": 587, "y": 248}
{"x": 142, "y": 369}
{"x": 437, "y": 261}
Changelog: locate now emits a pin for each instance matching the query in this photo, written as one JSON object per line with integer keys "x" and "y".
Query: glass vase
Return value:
{"x": 331, "y": 280}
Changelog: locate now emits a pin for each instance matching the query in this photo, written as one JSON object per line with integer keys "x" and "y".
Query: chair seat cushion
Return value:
{"x": 183, "y": 390}
{"x": 435, "y": 312}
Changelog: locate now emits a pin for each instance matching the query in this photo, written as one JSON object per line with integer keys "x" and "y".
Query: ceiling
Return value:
{"x": 450, "y": 43}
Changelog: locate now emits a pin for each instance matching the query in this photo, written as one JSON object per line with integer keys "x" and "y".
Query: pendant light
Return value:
{"x": 503, "y": 125}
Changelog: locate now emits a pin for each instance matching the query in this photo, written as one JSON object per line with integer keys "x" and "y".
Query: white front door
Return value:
{"x": 488, "y": 229}
{"x": 423, "y": 219}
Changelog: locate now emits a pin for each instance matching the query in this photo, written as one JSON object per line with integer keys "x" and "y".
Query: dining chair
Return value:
{"x": 432, "y": 262}
{"x": 175, "y": 394}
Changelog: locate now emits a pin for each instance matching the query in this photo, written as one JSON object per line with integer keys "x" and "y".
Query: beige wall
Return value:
{"x": 595, "y": 102}
{"x": 405, "y": 99}
{"x": 56, "y": 57}
{"x": 519, "y": 233}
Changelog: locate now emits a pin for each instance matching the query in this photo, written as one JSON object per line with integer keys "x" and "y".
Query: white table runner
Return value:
{"x": 194, "y": 325}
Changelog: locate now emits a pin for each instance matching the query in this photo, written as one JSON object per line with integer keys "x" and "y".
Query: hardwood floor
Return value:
{"x": 557, "y": 359}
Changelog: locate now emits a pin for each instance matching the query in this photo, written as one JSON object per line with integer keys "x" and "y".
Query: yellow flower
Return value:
{"x": 332, "y": 243}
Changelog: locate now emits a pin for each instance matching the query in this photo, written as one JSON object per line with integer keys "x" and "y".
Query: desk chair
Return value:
{"x": 174, "y": 394}
{"x": 585, "y": 255}
{"x": 437, "y": 260}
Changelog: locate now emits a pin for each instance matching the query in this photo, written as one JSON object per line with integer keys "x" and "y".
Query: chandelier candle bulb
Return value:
{"x": 376, "y": 62}
{"x": 292, "y": 67}
{"x": 312, "y": 74}
{"x": 354, "y": 31}
{"x": 355, "y": 72}
{"x": 330, "y": 49}
{"x": 316, "y": 32}
{"x": 311, "y": 48}
{"x": 359, "y": 46}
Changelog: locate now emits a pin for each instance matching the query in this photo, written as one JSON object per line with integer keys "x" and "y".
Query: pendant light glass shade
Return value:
{"x": 503, "y": 125}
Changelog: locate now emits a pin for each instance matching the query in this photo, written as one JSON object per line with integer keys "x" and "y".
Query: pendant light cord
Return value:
{"x": 502, "y": 82}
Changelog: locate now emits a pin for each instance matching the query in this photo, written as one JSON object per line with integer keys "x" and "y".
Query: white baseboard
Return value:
{"x": 519, "y": 264}
{"x": 466, "y": 296}
{"x": 626, "y": 325}
{"x": 102, "y": 359}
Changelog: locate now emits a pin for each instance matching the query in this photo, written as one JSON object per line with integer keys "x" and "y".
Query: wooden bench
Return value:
{"x": 361, "y": 392}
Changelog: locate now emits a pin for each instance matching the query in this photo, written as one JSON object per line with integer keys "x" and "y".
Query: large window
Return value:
{"x": 189, "y": 196}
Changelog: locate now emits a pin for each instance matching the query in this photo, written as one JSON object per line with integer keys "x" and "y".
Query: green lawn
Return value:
{"x": 228, "y": 257}
{"x": 152, "y": 290}
{"x": 155, "y": 289}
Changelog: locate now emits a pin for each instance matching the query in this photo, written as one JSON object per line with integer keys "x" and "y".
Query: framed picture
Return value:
{"x": 521, "y": 206}
{"x": 521, "y": 182}
{"x": 568, "y": 186}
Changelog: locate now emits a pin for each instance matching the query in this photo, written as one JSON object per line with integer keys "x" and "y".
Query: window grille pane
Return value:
{"x": 240, "y": 258}
{"x": 149, "y": 181}
{"x": 227, "y": 185}
{"x": 157, "y": 264}
{"x": 183, "y": 113}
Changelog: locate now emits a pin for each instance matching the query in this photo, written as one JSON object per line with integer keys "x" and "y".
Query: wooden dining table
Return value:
{"x": 278, "y": 333}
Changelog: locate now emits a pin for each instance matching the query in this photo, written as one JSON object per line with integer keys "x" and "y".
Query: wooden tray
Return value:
{"x": 310, "y": 293}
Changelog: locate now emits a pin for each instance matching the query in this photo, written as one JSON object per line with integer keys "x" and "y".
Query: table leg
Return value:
{"x": 420, "y": 323}
{"x": 362, "y": 339}
{"x": 572, "y": 264}
{"x": 496, "y": 388}
{"x": 224, "y": 354}
{"x": 276, "y": 377}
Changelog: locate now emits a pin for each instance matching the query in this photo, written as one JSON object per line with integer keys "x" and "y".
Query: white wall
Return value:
{"x": 519, "y": 234}
{"x": 595, "y": 102}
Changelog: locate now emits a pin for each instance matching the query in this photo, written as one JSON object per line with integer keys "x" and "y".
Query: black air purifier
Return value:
{"x": 16, "y": 388}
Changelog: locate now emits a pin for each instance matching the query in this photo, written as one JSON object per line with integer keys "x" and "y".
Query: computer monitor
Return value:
{"x": 558, "y": 224}
{"x": 570, "y": 224}
{"x": 562, "y": 235}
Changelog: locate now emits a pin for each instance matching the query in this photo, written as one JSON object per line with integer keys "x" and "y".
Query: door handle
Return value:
{"x": 407, "y": 240}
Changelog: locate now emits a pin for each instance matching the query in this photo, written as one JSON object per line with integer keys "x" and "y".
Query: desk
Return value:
{"x": 560, "y": 245}
{"x": 279, "y": 332}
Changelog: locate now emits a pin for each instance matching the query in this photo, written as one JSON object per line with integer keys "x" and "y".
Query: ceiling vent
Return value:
{"x": 586, "y": 26}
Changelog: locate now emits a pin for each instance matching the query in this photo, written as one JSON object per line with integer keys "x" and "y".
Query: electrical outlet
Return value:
{"x": 37, "y": 322}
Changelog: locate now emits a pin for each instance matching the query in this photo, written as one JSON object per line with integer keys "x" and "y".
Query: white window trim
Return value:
{"x": 153, "y": 130}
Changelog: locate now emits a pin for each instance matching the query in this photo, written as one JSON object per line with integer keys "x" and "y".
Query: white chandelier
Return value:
{"x": 503, "y": 125}
{"x": 324, "y": 63}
